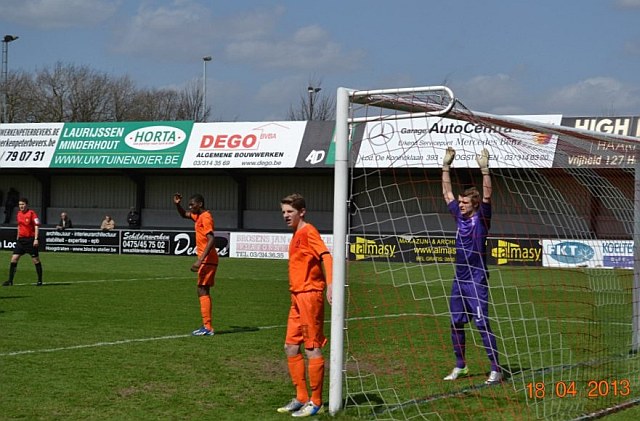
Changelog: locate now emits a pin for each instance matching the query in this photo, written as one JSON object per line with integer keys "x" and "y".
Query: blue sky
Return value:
{"x": 570, "y": 57}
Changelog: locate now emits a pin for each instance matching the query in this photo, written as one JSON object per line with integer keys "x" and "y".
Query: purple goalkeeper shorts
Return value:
{"x": 469, "y": 300}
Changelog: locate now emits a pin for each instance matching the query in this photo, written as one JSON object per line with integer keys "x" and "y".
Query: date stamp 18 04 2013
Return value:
{"x": 568, "y": 389}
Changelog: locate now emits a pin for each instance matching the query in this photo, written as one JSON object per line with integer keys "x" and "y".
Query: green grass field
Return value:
{"x": 555, "y": 327}
{"x": 108, "y": 337}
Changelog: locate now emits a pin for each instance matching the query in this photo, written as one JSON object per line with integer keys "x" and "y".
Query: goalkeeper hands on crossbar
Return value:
{"x": 482, "y": 159}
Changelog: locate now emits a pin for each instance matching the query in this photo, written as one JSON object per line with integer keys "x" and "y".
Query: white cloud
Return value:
{"x": 58, "y": 14}
{"x": 628, "y": 4}
{"x": 310, "y": 35}
{"x": 596, "y": 96}
{"x": 254, "y": 38}
{"x": 503, "y": 94}
{"x": 309, "y": 48}
{"x": 279, "y": 90}
{"x": 499, "y": 94}
{"x": 279, "y": 95}
{"x": 170, "y": 31}
{"x": 255, "y": 24}
{"x": 632, "y": 47}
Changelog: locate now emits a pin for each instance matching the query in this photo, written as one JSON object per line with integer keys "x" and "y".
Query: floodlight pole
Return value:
{"x": 312, "y": 91}
{"x": 5, "y": 73}
{"x": 205, "y": 60}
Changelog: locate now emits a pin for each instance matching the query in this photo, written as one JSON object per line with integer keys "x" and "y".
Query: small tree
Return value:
{"x": 313, "y": 105}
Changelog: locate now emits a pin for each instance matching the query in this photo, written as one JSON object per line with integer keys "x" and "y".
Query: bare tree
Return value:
{"x": 88, "y": 98}
{"x": 122, "y": 91}
{"x": 191, "y": 103}
{"x": 19, "y": 104}
{"x": 67, "y": 93}
{"x": 49, "y": 95}
{"x": 70, "y": 93}
{"x": 154, "y": 105}
{"x": 314, "y": 104}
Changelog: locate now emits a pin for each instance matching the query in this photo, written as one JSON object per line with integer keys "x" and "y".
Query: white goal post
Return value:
{"x": 341, "y": 204}
{"x": 440, "y": 102}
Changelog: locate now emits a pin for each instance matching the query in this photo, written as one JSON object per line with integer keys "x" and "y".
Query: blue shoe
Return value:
{"x": 203, "y": 331}
{"x": 308, "y": 410}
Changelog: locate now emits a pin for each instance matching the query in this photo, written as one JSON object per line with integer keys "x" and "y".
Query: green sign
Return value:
{"x": 122, "y": 145}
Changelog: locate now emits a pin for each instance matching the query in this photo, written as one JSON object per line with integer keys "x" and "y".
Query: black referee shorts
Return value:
{"x": 24, "y": 245}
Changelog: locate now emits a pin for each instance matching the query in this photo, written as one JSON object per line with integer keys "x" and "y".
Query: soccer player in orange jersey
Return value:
{"x": 207, "y": 262}
{"x": 26, "y": 241}
{"x": 310, "y": 270}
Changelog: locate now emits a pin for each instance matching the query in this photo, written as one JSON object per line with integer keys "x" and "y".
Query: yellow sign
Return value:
{"x": 365, "y": 249}
{"x": 507, "y": 252}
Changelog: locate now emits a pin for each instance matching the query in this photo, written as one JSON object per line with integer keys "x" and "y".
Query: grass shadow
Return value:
{"x": 237, "y": 329}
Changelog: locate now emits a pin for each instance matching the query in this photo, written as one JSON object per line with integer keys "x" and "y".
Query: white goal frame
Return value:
{"x": 340, "y": 215}
{"x": 344, "y": 98}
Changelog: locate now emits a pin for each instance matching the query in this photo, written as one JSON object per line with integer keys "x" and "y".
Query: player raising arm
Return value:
{"x": 206, "y": 263}
{"x": 470, "y": 290}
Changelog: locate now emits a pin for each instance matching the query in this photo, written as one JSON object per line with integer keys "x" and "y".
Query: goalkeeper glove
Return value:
{"x": 483, "y": 161}
{"x": 449, "y": 154}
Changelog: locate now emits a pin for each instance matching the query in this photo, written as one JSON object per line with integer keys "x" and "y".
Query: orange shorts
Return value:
{"x": 207, "y": 274}
{"x": 306, "y": 320}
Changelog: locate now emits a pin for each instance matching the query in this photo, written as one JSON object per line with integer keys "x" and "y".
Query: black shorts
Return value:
{"x": 24, "y": 245}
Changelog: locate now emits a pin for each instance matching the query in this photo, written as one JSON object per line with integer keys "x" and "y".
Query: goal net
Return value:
{"x": 563, "y": 272}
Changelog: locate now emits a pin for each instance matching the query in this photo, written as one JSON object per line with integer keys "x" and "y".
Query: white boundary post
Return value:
{"x": 340, "y": 240}
{"x": 340, "y": 214}
{"x": 635, "y": 344}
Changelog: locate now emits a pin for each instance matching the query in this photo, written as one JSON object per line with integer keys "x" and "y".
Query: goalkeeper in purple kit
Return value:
{"x": 470, "y": 290}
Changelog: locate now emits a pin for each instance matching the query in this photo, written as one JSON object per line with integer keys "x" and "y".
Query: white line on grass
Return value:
{"x": 94, "y": 281}
{"x": 129, "y": 341}
{"x": 168, "y": 337}
{"x": 96, "y": 345}
{"x": 113, "y": 343}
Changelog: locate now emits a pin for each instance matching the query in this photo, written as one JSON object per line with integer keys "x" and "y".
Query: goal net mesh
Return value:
{"x": 560, "y": 254}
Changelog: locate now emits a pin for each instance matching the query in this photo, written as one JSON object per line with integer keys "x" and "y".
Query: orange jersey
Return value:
{"x": 306, "y": 252}
{"x": 203, "y": 226}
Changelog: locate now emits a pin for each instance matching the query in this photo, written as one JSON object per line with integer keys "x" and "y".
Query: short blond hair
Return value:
{"x": 474, "y": 195}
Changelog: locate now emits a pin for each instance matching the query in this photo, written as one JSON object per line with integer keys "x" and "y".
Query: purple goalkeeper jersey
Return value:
{"x": 471, "y": 243}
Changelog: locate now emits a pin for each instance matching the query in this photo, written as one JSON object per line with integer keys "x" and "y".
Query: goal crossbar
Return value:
{"x": 441, "y": 102}
{"x": 449, "y": 107}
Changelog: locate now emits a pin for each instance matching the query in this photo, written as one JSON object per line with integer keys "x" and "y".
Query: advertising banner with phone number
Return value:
{"x": 169, "y": 144}
{"x": 94, "y": 145}
{"x": 161, "y": 242}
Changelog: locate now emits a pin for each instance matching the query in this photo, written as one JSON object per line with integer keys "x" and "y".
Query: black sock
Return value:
{"x": 12, "y": 271}
{"x": 39, "y": 271}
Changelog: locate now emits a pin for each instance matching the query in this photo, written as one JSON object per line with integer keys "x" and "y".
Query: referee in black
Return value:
{"x": 27, "y": 240}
